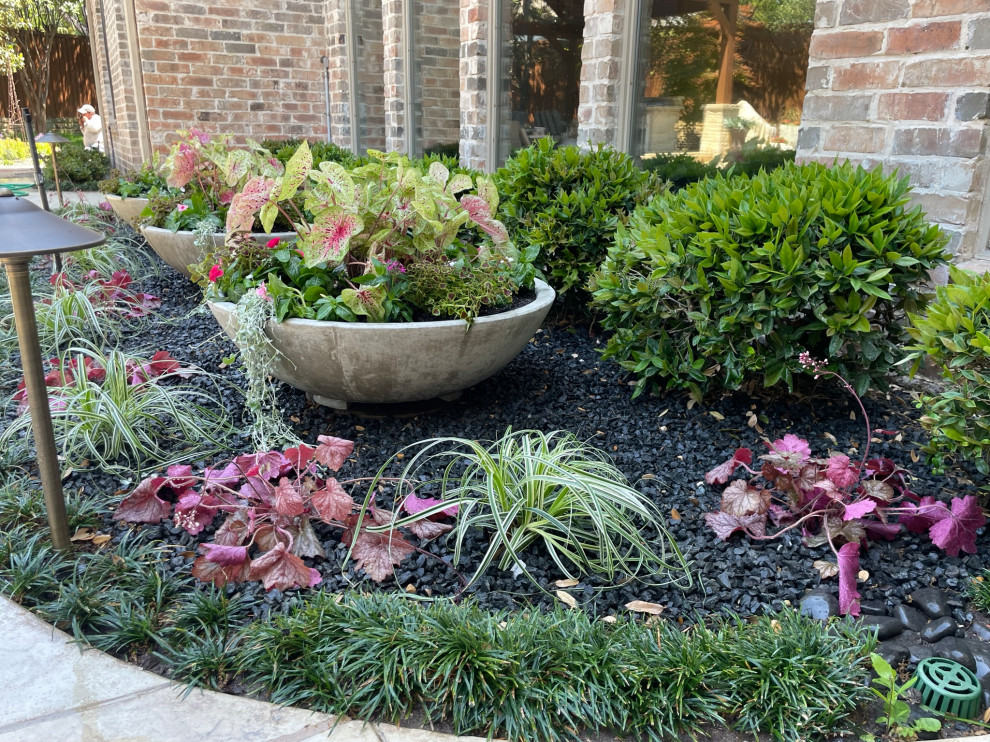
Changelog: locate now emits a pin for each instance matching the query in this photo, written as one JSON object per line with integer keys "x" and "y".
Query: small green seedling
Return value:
{"x": 896, "y": 710}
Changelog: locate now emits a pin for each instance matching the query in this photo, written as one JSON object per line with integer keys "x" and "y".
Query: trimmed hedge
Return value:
{"x": 733, "y": 277}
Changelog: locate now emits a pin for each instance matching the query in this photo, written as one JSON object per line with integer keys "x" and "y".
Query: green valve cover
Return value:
{"x": 948, "y": 687}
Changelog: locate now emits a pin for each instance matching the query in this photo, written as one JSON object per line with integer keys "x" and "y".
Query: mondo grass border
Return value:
{"x": 530, "y": 675}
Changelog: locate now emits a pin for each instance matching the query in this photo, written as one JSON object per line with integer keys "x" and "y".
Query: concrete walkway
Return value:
{"x": 50, "y": 691}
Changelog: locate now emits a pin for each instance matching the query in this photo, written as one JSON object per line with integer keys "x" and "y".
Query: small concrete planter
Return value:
{"x": 126, "y": 208}
{"x": 179, "y": 250}
{"x": 339, "y": 363}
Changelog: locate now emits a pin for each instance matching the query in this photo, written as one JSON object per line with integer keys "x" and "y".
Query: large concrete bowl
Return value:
{"x": 126, "y": 208}
{"x": 381, "y": 363}
{"x": 179, "y": 249}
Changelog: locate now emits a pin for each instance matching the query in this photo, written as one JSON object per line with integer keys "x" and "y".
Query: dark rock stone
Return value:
{"x": 955, "y": 649}
{"x": 886, "y": 627}
{"x": 981, "y": 655}
{"x": 981, "y": 630}
{"x": 911, "y": 618}
{"x": 931, "y": 601}
{"x": 893, "y": 652}
{"x": 873, "y": 608}
{"x": 819, "y": 605}
{"x": 939, "y": 629}
{"x": 920, "y": 652}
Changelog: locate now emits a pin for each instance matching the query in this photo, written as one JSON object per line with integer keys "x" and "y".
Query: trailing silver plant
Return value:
{"x": 258, "y": 355}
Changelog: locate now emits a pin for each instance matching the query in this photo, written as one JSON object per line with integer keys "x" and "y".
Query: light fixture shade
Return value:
{"x": 50, "y": 138}
{"x": 30, "y": 230}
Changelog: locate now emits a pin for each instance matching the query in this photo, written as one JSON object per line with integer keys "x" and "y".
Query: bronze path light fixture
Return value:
{"x": 28, "y": 231}
{"x": 51, "y": 140}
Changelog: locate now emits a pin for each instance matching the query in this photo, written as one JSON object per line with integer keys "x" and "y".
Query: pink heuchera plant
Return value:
{"x": 271, "y": 499}
{"x": 109, "y": 294}
{"x": 835, "y": 501}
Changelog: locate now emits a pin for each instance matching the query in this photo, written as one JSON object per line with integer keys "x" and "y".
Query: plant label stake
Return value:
{"x": 30, "y": 231}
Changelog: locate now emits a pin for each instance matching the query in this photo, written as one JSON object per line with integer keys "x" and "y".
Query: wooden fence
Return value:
{"x": 71, "y": 84}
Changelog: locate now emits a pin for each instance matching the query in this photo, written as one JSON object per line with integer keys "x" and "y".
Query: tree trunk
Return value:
{"x": 36, "y": 47}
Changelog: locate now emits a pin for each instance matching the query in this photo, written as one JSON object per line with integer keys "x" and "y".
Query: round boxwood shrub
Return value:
{"x": 78, "y": 168}
{"x": 568, "y": 203}
{"x": 732, "y": 277}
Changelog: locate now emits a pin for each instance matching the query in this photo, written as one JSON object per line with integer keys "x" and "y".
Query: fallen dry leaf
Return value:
{"x": 641, "y": 606}
{"x": 609, "y": 619}
{"x": 717, "y": 415}
{"x": 101, "y": 539}
{"x": 826, "y": 569}
{"x": 566, "y": 598}
{"x": 863, "y": 575}
{"x": 674, "y": 515}
{"x": 410, "y": 588}
{"x": 83, "y": 534}
{"x": 566, "y": 583}
{"x": 914, "y": 456}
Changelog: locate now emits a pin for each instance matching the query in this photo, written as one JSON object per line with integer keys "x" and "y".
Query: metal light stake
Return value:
{"x": 51, "y": 140}
{"x": 30, "y": 231}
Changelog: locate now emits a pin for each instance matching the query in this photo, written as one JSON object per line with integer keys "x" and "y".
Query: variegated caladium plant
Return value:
{"x": 271, "y": 500}
{"x": 359, "y": 230}
{"x": 834, "y": 501}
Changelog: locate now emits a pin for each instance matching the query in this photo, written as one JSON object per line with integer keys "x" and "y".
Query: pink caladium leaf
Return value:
{"x": 840, "y": 472}
{"x": 300, "y": 456}
{"x": 255, "y": 194}
{"x": 741, "y": 499}
{"x": 330, "y": 237}
{"x": 333, "y": 503}
{"x": 182, "y": 162}
{"x": 379, "y": 553}
{"x": 278, "y": 569}
{"x": 957, "y": 530}
{"x": 428, "y": 529}
{"x": 144, "y": 505}
{"x": 287, "y": 499}
{"x": 194, "y": 512}
{"x": 413, "y": 505}
{"x": 919, "y": 518}
{"x": 721, "y": 473}
{"x": 333, "y": 452}
{"x": 848, "y": 571}
{"x": 858, "y": 509}
{"x": 481, "y": 214}
{"x": 725, "y": 525}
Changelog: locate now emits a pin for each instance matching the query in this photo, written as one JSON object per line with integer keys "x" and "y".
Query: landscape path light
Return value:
{"x": 28, "y": 231}
{"x": 51, "y": 140}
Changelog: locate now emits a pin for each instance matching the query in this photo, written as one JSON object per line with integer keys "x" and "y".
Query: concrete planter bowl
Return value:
{"x": 126, "y": 208}
{"x": 340, "y": 363}
{"x": 179, "y": 249}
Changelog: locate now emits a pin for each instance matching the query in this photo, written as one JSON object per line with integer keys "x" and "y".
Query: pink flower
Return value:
{"x": 181, "y": 207}
{"x": 262, "y": 291}
{"x": 105, "y": 206}
{"x": 215, "y": 273}
{"x": 272, "y": 243}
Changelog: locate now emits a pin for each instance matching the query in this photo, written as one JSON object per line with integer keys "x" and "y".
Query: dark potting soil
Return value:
{"x": 661, "y": 443}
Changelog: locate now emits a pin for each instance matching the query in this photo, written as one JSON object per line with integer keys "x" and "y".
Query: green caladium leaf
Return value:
{"x": 488, "y": 192}
{"x": 296, "y": 170}
{"x": 458, "y": 184}
{"x": 237, "y": 166}
{"x": 333, "y": 185}
{"x": 366, "y": 302}
{"x": 269, "y": 212}
{"x": 439, "y": 174}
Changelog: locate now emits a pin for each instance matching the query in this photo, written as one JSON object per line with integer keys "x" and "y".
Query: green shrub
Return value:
{"x": 733, "y": 277}
{"x": 12, "y": 150}
{"x": 955, "y": 334}
{"x": 78, "y": 168}
{"x": 140, "y": 183}
{"x": 679, "y": 169}
{"x": 979, "y": 591}
{"x": 569, "y": 203}
{"x": 321, "y": 151}
{"x": 750, "y": 160}
{"x": 447, "y": 150}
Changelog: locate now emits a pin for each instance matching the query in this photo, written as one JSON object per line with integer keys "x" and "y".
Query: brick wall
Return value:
{"x": 223, "y": 67}
{"x": 600, "y": 55}
{"x": 437, "y": 89}
{"x": 472, "y": 82}
{"x": 395, "y": 63}
{"x": 905, "y": 84}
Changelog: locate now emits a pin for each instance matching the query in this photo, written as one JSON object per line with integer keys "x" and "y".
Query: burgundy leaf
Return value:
{"x": 887, "y": 531}
{"x": 332, "y": 502}
{"x": 267, "y": 537}
{"x": 257, "y": 489}
{"x": 228, "y": 556}
{"x": 194, "y": 511}
{"x": 878, "y": 490}
{"x": 840, "y": 472}
{"x": 413, "y": 505}
{"x": 264, "y": 464}
{"x": 226, "y": 477}
{"x": 858, "y": 509}
{"x": 143, "y": 505}
{"x": 300, "y": 456}
{"x": 848, "y": 571}
{"x": 725, "y": 525}
{"x": 305, "y": 543}
{"x": 333, "y": 452}
{"x": 919, "y": 518}
{"x": 721, "y": 473}
{"x": 789, "y": 462}
{"x": 278, "y": 569}
{"x": 206, "y": 571}
{"x": 236, "y": 529}
{"x": 180, "y": 477}
{"x": 379, "y": 553}
{"x": 427, "y": 529}
{"x": 740, "y": 499}
{"x": 958, "y": 529}
{"x": 287, "y": 500}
